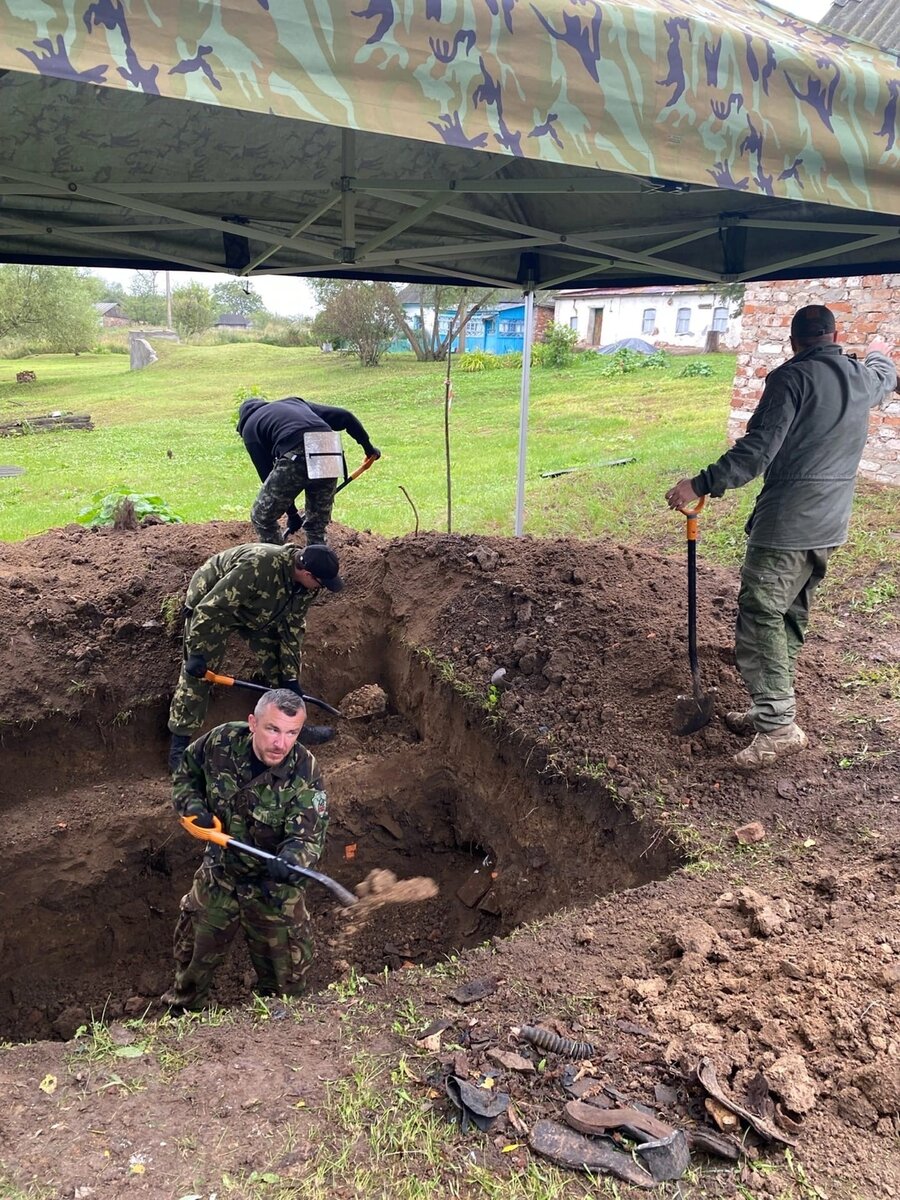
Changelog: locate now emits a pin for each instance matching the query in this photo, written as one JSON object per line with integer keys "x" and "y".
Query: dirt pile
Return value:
{"x": 558, "y": 797}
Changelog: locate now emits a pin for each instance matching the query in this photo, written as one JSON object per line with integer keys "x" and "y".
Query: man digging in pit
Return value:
{"x": 806, "y": 437}
{"x": 263, "y": 593}
{"x": 265, "y": 789}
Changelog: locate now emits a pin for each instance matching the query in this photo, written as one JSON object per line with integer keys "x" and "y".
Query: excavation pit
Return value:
{"x": 98, "y": 862}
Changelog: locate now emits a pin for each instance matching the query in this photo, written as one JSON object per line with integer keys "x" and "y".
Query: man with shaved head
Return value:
{"x": 805, "y": 438}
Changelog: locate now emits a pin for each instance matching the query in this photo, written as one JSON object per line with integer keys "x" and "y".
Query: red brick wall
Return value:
{"x": 866, "y": 306}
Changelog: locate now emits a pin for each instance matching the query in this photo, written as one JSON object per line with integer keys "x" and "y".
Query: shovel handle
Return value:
{"x": 216, "y": 834}
{"x": 367, "y": 462}
{"x": 230, "y": 681}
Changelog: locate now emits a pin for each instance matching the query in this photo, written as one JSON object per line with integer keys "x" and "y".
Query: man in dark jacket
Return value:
{"x": 806, "y": 436}
{"x": 289, "y": 462}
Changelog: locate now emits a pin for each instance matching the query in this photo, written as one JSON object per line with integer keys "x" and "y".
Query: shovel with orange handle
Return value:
{"x": 367, "y": 462}
{"x": 694, "y": 711}
{"x": 221, "y": 838}
{"x": 230, "y": 681}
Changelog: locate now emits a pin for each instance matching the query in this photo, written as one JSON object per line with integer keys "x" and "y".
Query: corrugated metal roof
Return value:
{"x": 874, "y": 21}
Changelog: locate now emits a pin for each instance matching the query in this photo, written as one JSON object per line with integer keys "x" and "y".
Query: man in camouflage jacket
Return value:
{"x": 261, "y": 592}
{"x": 265, "y": 788}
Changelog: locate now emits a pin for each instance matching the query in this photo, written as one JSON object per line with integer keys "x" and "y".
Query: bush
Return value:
{"x": 478, "y": 360}
{"x": 559, "y": 346}
{"x": 656, "y": 361}
{"x": 623, "y": 362}
{"x": 126, "y": 510}
{"x": 693, "y": 369}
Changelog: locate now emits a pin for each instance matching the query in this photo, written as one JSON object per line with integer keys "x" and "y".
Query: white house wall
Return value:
{"x": 623, "y": 317}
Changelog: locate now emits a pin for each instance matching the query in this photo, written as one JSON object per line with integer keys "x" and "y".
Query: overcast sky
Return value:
{"x": 292, "y": 297}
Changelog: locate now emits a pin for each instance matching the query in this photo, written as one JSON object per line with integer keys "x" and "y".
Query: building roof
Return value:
{"x": 635, "y": 291}
{"x": 105, "y": 306}
{"x": 234, "y": 319}
{"x": 874, "y": 21}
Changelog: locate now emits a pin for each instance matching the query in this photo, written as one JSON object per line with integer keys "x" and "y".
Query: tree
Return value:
{"x": 357, "y": 314}
{"x": 232, "y": 296}
{"x": 428, "y": 341}
{"x": 193, "y": 309}
{"x": 50, "y": 306}
{"x": 144, "y": 304}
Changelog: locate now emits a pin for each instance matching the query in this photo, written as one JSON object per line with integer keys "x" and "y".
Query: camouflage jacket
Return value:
{"x": 251, "y": 590}
{"x": 282, "y": 810}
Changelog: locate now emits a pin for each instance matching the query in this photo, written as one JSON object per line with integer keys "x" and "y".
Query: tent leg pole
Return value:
{"x": 523, "y": 412}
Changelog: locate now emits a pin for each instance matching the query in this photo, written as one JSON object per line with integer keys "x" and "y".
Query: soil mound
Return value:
{"x": 556, "y": 804}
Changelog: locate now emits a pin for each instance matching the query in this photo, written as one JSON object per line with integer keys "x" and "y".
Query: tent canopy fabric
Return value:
{"x": 495, "y": 141}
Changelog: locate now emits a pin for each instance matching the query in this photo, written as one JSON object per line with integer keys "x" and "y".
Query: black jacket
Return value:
{"x": 271, "y": 429}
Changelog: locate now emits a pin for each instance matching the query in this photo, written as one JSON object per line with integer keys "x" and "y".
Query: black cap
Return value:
{"x": 815, "y": 320}
{"x": 323, "y": 564}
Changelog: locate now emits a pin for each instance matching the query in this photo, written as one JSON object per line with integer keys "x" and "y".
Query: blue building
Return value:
{"x": 498, "y": 328}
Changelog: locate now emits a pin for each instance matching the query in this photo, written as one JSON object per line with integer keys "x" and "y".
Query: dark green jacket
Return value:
{"x": 807, "y": 436}
{"x": 250, "y": 590}
{"x": 282, "y": 810}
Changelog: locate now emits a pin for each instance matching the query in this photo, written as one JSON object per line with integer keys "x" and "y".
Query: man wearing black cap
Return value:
{"x": 262, "y": 593}
{"x": 806, "y": 438}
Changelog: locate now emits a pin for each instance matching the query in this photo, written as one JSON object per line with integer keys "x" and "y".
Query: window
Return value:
{"x": 683, "y": 321}
{"x": 573, "y": 322}
{"x": 511, "y": 328}
{"x": 649, "y": 322}
{"x": 475, "y": 327}
{"x": 720, "y": 320}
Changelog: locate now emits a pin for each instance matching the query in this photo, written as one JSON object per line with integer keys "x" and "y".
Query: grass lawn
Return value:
{"x": 169, "y": 429}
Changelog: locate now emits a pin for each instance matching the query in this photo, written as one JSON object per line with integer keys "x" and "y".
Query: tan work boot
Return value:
{"x": 766, "y": 748}
{"x": 739, "y": 722}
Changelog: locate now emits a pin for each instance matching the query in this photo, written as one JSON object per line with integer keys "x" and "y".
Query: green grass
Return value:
{"x": 169, "y": 430}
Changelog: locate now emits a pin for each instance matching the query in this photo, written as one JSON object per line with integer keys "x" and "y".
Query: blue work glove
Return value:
{"x": 195, "y": 664}
{"x": 292, "y": 685}
{"x": 372, "y": 452}
{"x": 204, "y": 820}
{"x": 294, "y": 521}
{"x": 281, "y": 871}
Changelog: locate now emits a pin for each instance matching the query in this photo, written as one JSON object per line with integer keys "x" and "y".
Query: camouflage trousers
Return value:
{"x": 777, "y": 588}
{"x": 275, "y": 923}
{"x": 190, "y": 700}
{"x": 277, "y": 496}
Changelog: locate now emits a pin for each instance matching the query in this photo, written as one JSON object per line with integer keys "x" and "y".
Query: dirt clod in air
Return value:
{"x": 382, "y": 887}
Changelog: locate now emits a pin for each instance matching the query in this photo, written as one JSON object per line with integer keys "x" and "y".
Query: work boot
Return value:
{"x": 739, "y": 722}
{"x": 177, "y": 747}
{"x": 766, "y": 748}
{"x": 315, "y": 735}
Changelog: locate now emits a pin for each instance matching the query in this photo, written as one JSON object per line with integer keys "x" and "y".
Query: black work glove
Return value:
{"x": 195, "y": 664}
{"x": 372, "y": 452}
{"x": 281, "y": 871}
{"x": 294, "y": 521}
{"x": 292, "y": 685}
{"x": 204, "y": 820}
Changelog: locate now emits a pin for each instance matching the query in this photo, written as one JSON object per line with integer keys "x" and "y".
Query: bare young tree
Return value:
{"x": 357, "y": 314}
{"x": 429, "y": 343}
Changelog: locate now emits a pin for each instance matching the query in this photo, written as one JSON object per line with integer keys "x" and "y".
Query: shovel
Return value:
{"x": 694, "y": 711}
{"x": 217, "y": 835}
{"x": 229, "y": 681}
{"x": 356, "y": 474}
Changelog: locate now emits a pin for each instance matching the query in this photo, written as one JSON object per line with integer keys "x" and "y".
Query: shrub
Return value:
{"x": 692, "y": 369}
{"x": 478, "y": 360}
{"x": 656, "y": 361}
{"x": 623, "y": 362}
{"x": 126, "y": 510}
{"x": 559, "y": 345}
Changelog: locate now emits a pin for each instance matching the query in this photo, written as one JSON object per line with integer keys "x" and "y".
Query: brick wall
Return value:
{"x": 865, "y": 306}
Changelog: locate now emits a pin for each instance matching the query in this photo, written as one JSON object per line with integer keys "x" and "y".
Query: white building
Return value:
{"x": 679, "y": 317}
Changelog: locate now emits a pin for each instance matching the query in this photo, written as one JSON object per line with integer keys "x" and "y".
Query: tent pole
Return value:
{"x": 523, "y": 411}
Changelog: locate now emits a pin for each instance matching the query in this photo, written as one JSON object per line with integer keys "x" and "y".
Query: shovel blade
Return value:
{"x": 692, "y": 713}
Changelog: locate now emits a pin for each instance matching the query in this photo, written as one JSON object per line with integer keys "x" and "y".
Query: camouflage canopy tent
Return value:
{"x": 498, "y": 141}
{"x": 488, "y": 141}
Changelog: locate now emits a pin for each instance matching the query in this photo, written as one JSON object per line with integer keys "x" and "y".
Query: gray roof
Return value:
{"x": 873, "y": 21}
{"x": 105, "y": 306}
{"x": 233, "y": 319}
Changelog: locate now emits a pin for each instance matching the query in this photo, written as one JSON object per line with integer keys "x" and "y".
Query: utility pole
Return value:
{"x": 168, "y": 302}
